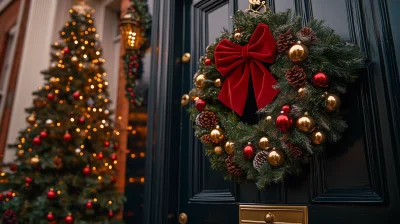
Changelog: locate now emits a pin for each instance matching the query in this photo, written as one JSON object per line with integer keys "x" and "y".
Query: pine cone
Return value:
{"x": 233, "y": 168}
{"x": 207, "y": 119}
{"x": 296, "y": 76}
{"x": 58, "y": 162}
{"x": 206, "y": 139}
{"x": 260, "y": 159}
{"x": 295, "y": 151}
{"x": 306, "y": 35}
{"x": 285, "y": 41}
{"x": 9, "y": 217}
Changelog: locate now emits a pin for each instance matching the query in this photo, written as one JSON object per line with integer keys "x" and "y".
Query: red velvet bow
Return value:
{"x": 236, "y": 63}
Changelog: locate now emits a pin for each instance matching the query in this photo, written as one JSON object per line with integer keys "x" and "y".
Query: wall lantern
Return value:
{"x": 132, "y": 30}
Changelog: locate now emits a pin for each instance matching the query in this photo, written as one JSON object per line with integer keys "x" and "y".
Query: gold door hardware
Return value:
{"x": 185, "y": 100}
{"x": 186, "y": 57}
{"x": 273, "y": 214}
{"x": 183, "y": 218}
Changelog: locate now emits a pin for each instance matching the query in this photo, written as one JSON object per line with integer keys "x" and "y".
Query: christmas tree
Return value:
{"x": 65, "y": 166}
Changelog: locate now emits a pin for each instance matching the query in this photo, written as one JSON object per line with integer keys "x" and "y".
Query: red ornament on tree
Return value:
{"x": 1, "y": 197}
{"x": 9, "y": 194}
{"x": 86, "y": 171}
{"x": 50, "y": 217}
{"x": 43, "y": 134}
{"x": 69, "y": 219}
{"x": 89, "y": 205}
{"x": 28, "y": 180}
{"x": 116, "y": 146}
{"x": 129, "y": 89}
{"x": 200, "y": 104}
{"x": 51, "y": 194}
{"x": 106, "y": 144}
{"x": 82, "y": 119}
{"x": 286, "y": 109}
{"x": 13, "y": 167}
{"x": 320, "y": 80}
{"x": 248, "y": 151}
{"x": 67, "y": 136}
{"x": 207, "y": 61}
{"x": 37, "y": 141}
{"x": 133, "y": 101}
{"x": 76, "y": 95}
{"x": 100, "y": 155}
{"x": 113, "y": 157}
{"x": 66, "y": 50}
{"x": 50, "y": 96}
{"x": 113, "y": 179}
{"x": 283, "y": 122}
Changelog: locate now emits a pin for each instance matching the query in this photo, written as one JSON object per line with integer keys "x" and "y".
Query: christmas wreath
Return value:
{"x": 294, "y": 75}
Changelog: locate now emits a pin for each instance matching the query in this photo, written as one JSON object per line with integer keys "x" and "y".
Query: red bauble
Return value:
{"x": 50, "y": 217}
{"x": 200, "y": 104}
{"x": 106, "y": 144}
{"x": 50, "y": 96}
{"x": 110, "y": 214}
{"x": 13, "y": 167}
{"x": 116, "y": 146}
{"x": 113, "y": 157}
{"x": 207, "y": 61}
{"x": 283, "y": 122}
{"x": 286, "y": 109}
{"x": 1, "y": 197}
{"x": 82, "y": 119}
{"x": 113, "y": 179}
{"x": 36, "y": 140}
{"x": 43, "y": 134}
{"x": 248, "y": 151}
{"x": 100, "y": 155}
{"x": 9, "y": 194}
{"x": 67, "y": 137}
{"x": 129, "y": 89}
{"x": 89, "y": 205}
{"x": 76, "y": 95}
{"x": 320, "y": 80}
{"x": 51, "y": 194}
{"x": 66, "y": 50}
{"x": 133, "y": 94}
{"x": 69, "y": 219}
{"x": 28, "y": 180}
{"x": 86, "y": 171}
{"x": 133, "y": 101}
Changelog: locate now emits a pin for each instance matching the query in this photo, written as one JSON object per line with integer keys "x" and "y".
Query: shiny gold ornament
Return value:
{"x": 31, "y": 119}
{"x": 302, "y": 91}
{"x": 21, "y": 152}
{"x": 237, "y": 35}
{"x": 318, "y": 138}
{"x": 229, "y": 147}
{"x": 264, "y": 143}
{"x": 217, "y": 135}
{"x": 218, "y": 83}
{"x": 200, "y": 81}
{"x": 185, "y": 100}
{"x": 74, "y": 59}
{"x": 218, "y": 150}
{"x": 305, "y": 123}
{"x": 332, "y": 102}
{"x": 35, "y": 160}
{"x": 298, "y": 52}
{"x": 268, "y": 118}
{"x": 52, "y": 80}
{"x": 276, "y": 158}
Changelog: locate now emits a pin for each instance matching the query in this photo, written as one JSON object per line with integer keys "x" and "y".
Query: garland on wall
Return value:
{"x": 296, "y": 74}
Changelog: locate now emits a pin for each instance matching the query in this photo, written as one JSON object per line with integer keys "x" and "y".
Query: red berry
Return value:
{"x": 100, "y": 155}
{"x": 89, "y": 205}
{"x": 50, "y": 96}
{"x": 207, "y": 61}
{"x": 50, "y": 217}
{"x": 286, "y": 109}
{"x": 76, "y": 95}
{"x": 113, "y": 157}
{"x": 43, "y": 134}
{"x": 106, "y": 144}
{"x": 51, "y": 194}
{"x": 248, "y": 152}
{"x": 86, "y": 171}
{"x": 320, "y": 80}
{"x": 82, "y": 119}
{"x": 13, "y": 167}
{"x": 37, "y": 141}
{"x": 69, "y": 219}
{"x": 28, "y": 180}
{"x": 67, "y": 137}
{"x": 200, "y": 104}
{"x": 66, "y": 50}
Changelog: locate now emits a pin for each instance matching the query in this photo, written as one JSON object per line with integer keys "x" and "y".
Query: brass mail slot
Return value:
{"x": 273, "y": 214}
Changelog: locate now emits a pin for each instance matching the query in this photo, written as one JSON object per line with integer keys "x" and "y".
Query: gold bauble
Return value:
{"x": 318, "y": 137}
{"x": 298, "y": 52}
{"x": 184, "y": 100}
{"x": 268, "y": 118}
{"x": 218, "y": 150}
{"x": 237, "y": 35}
{"x": 218, "y": 83}
{"x": 302, "y": 91}
{"x": 35, "y": 160}
{"x": 276, "y": 158}
{"x": 52, "y": 80}
{"x": 31, "y": 119}
{"x": 332, "y": 102}
{"x": 200, "y": 81}
{"x": 229, "y": 147}
{"x": 217, "y": 135}
{"x": 74, "y": 59}
{"x": 264, "y": 143}
{"x": 21, "y": 152}
{"x": 305, "y": 123}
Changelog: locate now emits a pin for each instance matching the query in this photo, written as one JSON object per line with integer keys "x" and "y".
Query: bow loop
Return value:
{"x": 236, "y": 63}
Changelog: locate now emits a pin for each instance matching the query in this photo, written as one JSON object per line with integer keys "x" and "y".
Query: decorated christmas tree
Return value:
{"x": 65, "y": 166}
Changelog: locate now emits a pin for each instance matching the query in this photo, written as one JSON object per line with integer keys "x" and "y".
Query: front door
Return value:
{"x": 355, "y": 181}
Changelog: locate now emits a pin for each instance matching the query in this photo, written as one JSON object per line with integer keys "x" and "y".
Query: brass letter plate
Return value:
{"x": 273, "y": 214}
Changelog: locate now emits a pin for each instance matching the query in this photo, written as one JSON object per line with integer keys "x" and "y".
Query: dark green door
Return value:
{"x": 356, "y": 181}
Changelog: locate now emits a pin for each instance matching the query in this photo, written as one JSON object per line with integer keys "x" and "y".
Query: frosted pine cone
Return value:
{"x": 306, "y": 35}
{"x": 296, "y": 76}
{"x": 260, "y": 159}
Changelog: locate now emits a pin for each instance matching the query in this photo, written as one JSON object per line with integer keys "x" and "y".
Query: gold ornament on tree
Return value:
{"x": 74, "y": 59}
{"x": 276, "y": 158}
{"x": 217, "y": 135}
{"x": 305, "y": 123}
{"x": 200, "y": 81}
{"x": 318, "y": 138}
{"x": 332, "y": 102}
{"x": 31, "y": 119}
{"x": 268, "y": 118}
{"x": 237, "y": 35}
{"x": 264, "y": 143}
{"x": 52, "y": 80}
{"x": 229, "y": 147}
{"x": 218, "y": 83}
{"x": 35, "y": 160}
{"x": 21, "y": 152}
{"x": 218, "y": 150}
{"x": 298, "y": 52}
{"x": 302, "y": 91}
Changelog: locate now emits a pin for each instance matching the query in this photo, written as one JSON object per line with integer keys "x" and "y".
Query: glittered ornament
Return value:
{"x": 217, "y": 135}
{"x": 264, "y": 143}
{"x": 28, "y": 180}
{"x": 89, "y": 205}
{"x": 207, "y": 62}
{"x": 320, "y": 80}
{"x": 200, "y": 104}
{"x": 69, "y": 219}
{"x": 86, "y": 171}
{"x": 106, "y": 144}
{"x": 67, "y": 136}
{"x": 50, "y": 217}
{"x": 37, "y": 141}
{"x": 218, "y": 150}
{"x": 305, "y": 123}
{"x": 283, "y": 122}
{"x": 260, "y": 159}
{"x": 31, "y": 119}
{"x": 43, "y": 134}
{"x": 318, "y": 138}
{"x": 276, "y": 158}
{"x": 50, "y": 96}
{"x": 229, "y": 147}
{"x": 332, "y": 102}
{"x": 200, "y": 81}
{"x": 218, "y": 83}
{"x": 51, "y": 194}
{"x": 248, "y": 151}
{"x": 76, "y": 95}
{"x": 286, "y": 109}
{"x": 298, "y": 52}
